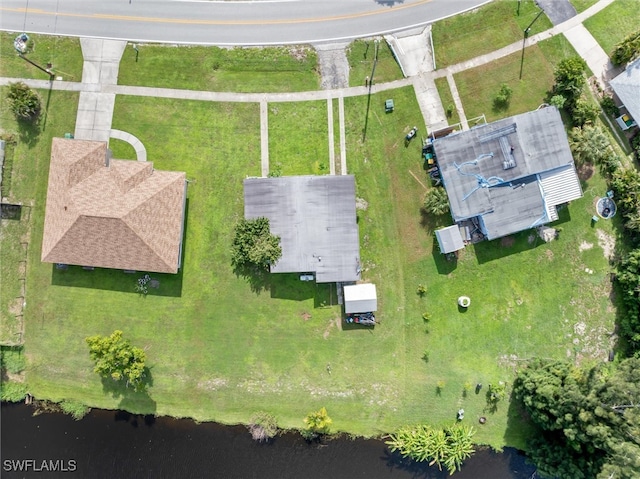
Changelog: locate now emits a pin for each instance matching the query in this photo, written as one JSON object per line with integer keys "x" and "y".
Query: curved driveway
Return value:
{"x": 225, "y": 22}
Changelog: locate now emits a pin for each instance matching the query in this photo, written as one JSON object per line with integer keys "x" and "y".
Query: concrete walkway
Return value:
{"x": 95, "y": 107}
{"x": 141, "y": 151}
{"x": 264, "y": 138}
{"x": 99, "y": 81}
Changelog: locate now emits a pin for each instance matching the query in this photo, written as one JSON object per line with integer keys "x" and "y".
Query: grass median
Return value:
{"x": 484, "y": 30}
{"x": 612, "y": 24}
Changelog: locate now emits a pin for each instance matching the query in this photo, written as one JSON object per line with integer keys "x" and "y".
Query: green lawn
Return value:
{"x": 614, "y": 23}
{"x": 298, "y": 141}
{"x": 447, "y": 100}
{"x": 24, "y": 186}
{"x": 64, "y": 54}
{"x": 361, "y": 54}
{"x": 528, "y": 297}
{"x": 249, "y": 70}
{"x": 479, "y": 86}
{"x": 484, "y": 30}
{"x": 582, "y": 5}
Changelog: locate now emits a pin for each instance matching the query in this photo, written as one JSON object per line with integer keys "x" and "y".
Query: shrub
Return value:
{"x": 425, "y": 356}
{"x": 75, "y": 409}
{"x": 115, "y": 358}
{"x": 503, "y": 97}
{"x": 426, "y": 316}
{"x": 609, "y": 106}
{"x": 436, "y": 201}
{"x": 24, "y": 102}
{"x": 13, "y": 391}
{"x": 627, "y": 49}
{"x": 570, "y": 79}
{"x": 448, "y": 447}
{"x": 558, "y": 101}
{"x": 263, "y": 426}
{"x": 421, "y": 290}
{"x": 317, "y": 422}
{"x": 584, "y": 112}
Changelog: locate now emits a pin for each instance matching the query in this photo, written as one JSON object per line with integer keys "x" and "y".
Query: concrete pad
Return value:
{"x": 588, "y": 48}
{"x": 558, "y": 11}
{"x": 334, "y": 66}
{"x": 457, "y": 101}
{"x": 413, "y": 52}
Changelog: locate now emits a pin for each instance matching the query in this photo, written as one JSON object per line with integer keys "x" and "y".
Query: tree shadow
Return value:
{"x": 431, "y": 222}
{"x": 29, "y": 131}
{"x": 259, "y": 280}
{"x": 137, "y": 401}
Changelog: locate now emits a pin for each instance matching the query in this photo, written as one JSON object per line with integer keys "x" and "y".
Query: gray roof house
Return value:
{"x": 315, "y": 217}
{"x": 627, "y": 87}
{"x": 509, "y": 175}
{"x": 360, "y": 298}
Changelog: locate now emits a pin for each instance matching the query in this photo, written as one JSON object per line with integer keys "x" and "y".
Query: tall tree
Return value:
{"x": 589, "y": 418}
{"x": 570, "y": 79}
{"x": 24, "y": 102}
{"x": 254, "y": 245}
{"x": 115, "y": 358}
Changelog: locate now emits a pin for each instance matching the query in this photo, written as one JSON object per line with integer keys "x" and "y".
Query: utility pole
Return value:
{"x": 524, "y": 40}
{"x": 373, "y": 71}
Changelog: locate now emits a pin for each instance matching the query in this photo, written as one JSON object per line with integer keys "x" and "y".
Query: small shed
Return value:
{"x": 449, "y": 239}
{"x": 360, "y": 298}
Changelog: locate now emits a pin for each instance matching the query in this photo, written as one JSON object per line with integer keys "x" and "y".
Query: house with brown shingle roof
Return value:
{"x": 108, "y": 213}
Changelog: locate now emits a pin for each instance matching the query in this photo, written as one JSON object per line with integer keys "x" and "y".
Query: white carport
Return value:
{"x": 360, "y": 298}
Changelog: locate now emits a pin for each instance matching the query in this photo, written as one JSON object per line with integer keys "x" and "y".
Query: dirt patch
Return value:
{"x": 298, "y": 53}
{"x": 585, "y": 171}
{"x": 332, "y": 323}
{"x": 507, "y": 241}
{"x": 585, "y": 246}
{"x": 549, "y": 254}
{"x": 306, "y": 316}
{"x": 15, "y": 306}
{"x": 212, "y": 384}
{"x": 361, "y": 204}
{"x": 607, "y": 243}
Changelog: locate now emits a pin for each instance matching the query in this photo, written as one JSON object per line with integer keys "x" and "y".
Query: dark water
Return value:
{"x": 108, "y": 444}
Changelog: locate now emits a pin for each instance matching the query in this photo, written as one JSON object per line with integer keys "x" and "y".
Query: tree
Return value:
{"x": 570, "y": 79}
{"x": 448, "y": 447}
{"x": 627, "y": 49}
{"x": 589, "y": 144}
{"x": 24, "y": 102}
{"x": 502, "y": 98}
{"x": 263, "y": 426}
{"x": 558, "y": 101}
{"x": 254, "y": 245}
{"x": 316, "y": 422}
{"x": 584, "y": 112}
{"x": 117, "y": 359}
{"x": 589, "y": 418}
{"x": 436, "y": 201}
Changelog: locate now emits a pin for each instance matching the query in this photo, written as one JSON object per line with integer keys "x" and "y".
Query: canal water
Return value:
{"x": 114, "y": 445}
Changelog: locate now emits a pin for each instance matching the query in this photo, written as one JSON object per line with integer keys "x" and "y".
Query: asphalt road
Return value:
{"x": 225, "y": 22}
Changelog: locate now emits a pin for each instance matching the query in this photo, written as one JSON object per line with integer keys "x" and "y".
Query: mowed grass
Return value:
{"x": 582, "y": 5}
{"x": 479, "y": 86}
{"x": 528, "y": 298}
{"x": 64, "y": 54}
{"x": 444, "y": 91}
{"x": 484, "y": 30}
{"x": 248, "y": 70}
{"x": 611, "y": 25}
{"x": 361, "y": 55}
{"x": 23, "y": 185}
{"x": 298, "y": 138}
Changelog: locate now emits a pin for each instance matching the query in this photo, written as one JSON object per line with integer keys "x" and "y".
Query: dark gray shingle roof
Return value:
{"x": 315, "y": 217}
